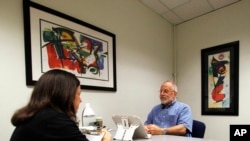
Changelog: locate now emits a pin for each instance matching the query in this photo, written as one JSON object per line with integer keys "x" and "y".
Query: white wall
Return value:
{"x": 144, "y": 56}
{"x": 225, "y": 25}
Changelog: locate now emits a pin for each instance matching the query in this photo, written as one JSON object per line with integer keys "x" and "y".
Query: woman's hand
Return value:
{"x": 107, "y": 135}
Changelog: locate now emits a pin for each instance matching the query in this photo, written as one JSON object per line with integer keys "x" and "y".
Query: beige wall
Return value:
{"x": 144, "y": 56}
{"x": 225, "y": 25}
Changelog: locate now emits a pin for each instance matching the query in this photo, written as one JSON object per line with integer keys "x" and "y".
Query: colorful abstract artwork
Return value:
{"x": 219, "y": 80}
{"x": 54, "y": 40}
{"x": 219, "y": 77}
{"x": 75, "y": 51}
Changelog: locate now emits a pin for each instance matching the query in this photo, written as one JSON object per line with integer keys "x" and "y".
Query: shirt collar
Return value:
{"x": 163, "y": 106}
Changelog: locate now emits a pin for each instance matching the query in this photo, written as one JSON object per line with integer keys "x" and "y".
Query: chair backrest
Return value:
{"x": 199, "y": 129}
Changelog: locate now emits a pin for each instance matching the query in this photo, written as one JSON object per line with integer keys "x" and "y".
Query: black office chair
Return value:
{"x": 199, "y": 129}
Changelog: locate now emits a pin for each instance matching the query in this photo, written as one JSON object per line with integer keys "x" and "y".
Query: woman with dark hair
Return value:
{"x": 50, "y": 114}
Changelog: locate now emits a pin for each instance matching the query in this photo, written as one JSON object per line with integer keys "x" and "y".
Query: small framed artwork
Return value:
{"x": 54, "y": 40}
{"x": 220, "y": 79}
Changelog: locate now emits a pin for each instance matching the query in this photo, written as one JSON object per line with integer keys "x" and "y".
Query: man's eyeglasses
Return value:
{"x": 165, "y": 91}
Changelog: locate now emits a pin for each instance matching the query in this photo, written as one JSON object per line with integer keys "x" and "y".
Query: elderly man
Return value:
{"x": 171, "y": 116}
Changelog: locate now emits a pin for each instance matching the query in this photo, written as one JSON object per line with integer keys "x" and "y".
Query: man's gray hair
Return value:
{"x": 174, "y": 86}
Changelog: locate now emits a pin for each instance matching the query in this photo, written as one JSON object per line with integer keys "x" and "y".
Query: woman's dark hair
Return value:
{"x": 55, "y": 89}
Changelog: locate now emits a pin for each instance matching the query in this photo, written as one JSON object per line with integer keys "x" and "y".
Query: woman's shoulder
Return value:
{"x": 49, "y": 114}
{"x": 53, "y": 118}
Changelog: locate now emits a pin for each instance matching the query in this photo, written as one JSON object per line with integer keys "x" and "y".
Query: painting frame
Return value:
{"x": 220, "y": 79}
{"x": 93, "y": 59}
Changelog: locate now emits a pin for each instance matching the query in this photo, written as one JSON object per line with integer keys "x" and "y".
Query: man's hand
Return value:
{"x": 153, "y": 129}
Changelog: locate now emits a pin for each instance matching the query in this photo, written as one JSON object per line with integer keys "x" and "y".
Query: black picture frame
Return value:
{"x": 220, "y": 79}
{"x": 56, "y": 40}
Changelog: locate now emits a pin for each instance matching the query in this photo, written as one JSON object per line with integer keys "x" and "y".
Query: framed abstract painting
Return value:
{"x": 54, "y": 40}
{"x": 220, "y": 79}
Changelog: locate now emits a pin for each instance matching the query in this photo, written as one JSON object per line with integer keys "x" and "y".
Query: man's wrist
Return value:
{"x": 164, "y": 131}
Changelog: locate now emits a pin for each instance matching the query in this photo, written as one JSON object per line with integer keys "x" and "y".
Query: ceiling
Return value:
{"x": 179, "y": 11}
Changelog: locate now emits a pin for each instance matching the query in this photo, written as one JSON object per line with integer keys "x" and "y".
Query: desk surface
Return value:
{"x": 170, "y": 138}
